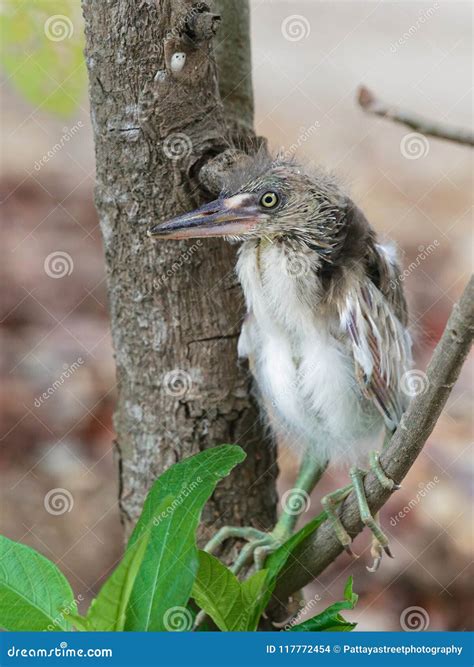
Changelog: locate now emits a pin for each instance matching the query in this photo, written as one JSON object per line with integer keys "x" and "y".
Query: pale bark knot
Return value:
{"x": 178, "y": 61}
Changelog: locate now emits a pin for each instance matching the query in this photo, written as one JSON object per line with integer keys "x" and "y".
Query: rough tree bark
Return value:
{"x": 175, "y": 308}
{"x": 233, "y": 56}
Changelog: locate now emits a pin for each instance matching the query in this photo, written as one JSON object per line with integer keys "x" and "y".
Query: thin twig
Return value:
{"x": 372, "y": 104}
{"x": 322, "y": 548}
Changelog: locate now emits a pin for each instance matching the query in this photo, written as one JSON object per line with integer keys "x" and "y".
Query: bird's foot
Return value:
{"x": 259, "y": 544}
{"x": 380, "y": 543}
{"x": 377, "y": 548}
{"x": 330, "y": 503}
{"x": 378, "y": 471}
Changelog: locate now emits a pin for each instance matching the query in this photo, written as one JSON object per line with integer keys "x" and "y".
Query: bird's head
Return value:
{"x": 266, "y": 199}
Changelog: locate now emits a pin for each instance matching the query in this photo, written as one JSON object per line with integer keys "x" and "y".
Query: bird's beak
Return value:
{"x": 222, "y": 217}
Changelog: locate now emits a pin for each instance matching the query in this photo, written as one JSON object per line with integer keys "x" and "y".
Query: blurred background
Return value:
{"x": 58, "y": 481}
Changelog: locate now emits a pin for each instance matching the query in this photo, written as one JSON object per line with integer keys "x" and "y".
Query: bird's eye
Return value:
{"x": 269, "y": 200}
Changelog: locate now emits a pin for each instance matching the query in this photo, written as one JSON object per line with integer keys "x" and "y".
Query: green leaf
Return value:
{"x": 254, "y": 590}
{"x": 107, "y": 610}
{"x": 165, "y": 579}
{"x": 34, "y": 594}
{"x": 80, "y": 623}
{"x": 231, "y": 604}
{"x": 218, "y": 592}
{"x": 330, "y": 620}
{"x": 234, "y": 606}
{"x": 42, "y": 52}
{"x": 349, "y": 594}
{"x": 276, "y": 562}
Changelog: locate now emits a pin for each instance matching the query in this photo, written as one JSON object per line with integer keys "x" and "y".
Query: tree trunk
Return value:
{"x": 176, "y": 308}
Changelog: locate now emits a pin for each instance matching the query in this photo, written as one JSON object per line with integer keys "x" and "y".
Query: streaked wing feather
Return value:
{"x": 381, "y": 345}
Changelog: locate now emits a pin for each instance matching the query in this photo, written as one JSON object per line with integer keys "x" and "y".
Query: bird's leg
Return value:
{"x": 261, "y": 544}
{"x": 330, "y": 502}
{"x": 380, "y": 541}
{"x": 376, "y": 548}
{"x": 310, "y": 472}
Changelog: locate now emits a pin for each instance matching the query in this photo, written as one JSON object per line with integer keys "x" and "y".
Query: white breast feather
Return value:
{"x": 305, "y": 375}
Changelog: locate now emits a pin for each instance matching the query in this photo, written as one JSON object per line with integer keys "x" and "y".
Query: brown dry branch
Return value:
{"x": 432, "y": 128}
{"x": 322, "y": 548}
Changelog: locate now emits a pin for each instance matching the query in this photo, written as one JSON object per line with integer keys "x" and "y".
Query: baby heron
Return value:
{"x": 325, "y": 332}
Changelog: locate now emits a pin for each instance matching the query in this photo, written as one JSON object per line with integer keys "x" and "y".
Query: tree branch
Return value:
{"x": 370, "y": 103}
{"x": 322, "y": 548}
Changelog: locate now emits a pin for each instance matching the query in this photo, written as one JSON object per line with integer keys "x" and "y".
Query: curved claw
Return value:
{"x": 388, "y": 551}
{"x": 377, "y": 553}
{"x": 348, "y": 550}
{"x": 375, "y": 565}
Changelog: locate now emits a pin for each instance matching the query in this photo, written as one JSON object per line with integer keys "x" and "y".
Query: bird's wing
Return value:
{"x": 373, "y": 315}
